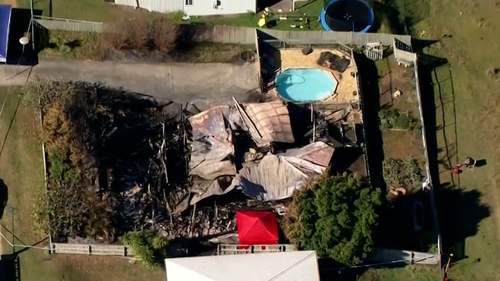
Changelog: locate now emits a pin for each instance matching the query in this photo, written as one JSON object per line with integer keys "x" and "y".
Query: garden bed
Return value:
{"x": 404, "y": 162}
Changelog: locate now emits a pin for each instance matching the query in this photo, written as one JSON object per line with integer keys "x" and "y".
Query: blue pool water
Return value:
{"x": 305, "y": 84}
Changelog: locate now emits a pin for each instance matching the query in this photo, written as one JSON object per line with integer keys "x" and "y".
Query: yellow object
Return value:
{"x": 27, "y": 35}
{"x": 262, "y": 22}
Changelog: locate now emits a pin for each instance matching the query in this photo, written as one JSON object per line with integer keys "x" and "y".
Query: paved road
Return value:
{"x": 181, "y": 82}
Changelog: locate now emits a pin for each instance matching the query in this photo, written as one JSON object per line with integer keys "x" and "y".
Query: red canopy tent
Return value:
{"x": 257, "y": 228}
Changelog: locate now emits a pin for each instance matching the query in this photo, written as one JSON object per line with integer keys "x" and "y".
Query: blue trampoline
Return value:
{"x": 5, "y": 13}
{"x": 347, "y": 15}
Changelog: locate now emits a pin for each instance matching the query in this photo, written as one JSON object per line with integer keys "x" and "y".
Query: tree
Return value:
{"x": 335, "y": 216}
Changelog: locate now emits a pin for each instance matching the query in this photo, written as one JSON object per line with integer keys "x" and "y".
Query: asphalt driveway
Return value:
{"x": 203, "y": 84}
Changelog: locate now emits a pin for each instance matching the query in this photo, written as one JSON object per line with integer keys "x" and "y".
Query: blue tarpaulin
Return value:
{"x": 5, "y": 12}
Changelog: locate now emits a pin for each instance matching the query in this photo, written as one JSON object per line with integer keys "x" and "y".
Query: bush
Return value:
{"x": 335, "y": 216}
{"x": 139, "y": 34}
{"x": 165, "y": 34}
{"x": 68, "y": 210}
{"x": 60, "y": 170}
{"x": 406, "y": 173}
{"x": 394, "y": 119}
{"x": 116, "y": 35}
{"x": 148, "y": 246}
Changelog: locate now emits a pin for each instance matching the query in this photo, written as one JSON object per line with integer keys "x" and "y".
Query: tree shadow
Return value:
{"x": 460, "y": 213}
{"x": 10, "y": 264}
{"x": 4, "y": 196}
{"x": 370, "y": 104}
{"x": 407, "y": 222}
{"x": 20, "y": 24}
{"x": 10, "y": 268}
{"x": 388, "y": 17}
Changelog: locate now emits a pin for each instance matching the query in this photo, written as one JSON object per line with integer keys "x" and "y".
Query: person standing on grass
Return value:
{"x": 469, "y": 163}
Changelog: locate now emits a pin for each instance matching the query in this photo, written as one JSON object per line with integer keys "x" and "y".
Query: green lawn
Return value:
{"x": 97, "y": 10}
{"x": 467, "y": 100}
{"x": 89, "y": 10}
{"x": 22, "y": 172}
{"x": 312, "y": 10}
{"x": 409, "y": 273}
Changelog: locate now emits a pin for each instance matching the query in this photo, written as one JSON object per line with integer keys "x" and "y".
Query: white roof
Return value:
{"x": 284, "y": 266}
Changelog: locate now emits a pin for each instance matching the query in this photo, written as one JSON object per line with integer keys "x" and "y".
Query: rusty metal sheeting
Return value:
{"x": 210, "y": 123}
{"x": 212, "y": 144}
{"x": 272, "y": 120}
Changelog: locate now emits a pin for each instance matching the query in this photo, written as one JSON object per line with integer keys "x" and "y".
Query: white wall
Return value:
{"x": 226, "y": 7}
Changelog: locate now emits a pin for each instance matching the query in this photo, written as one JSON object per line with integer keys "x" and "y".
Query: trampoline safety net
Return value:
{"x": 347, "y": 15}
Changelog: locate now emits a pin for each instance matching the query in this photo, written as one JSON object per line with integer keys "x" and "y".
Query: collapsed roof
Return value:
{"x": 213, "y": 153}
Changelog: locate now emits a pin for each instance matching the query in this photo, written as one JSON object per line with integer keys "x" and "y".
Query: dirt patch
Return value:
{"x": 399, "y": 144}
{"x": 397, "y": 78}
{"x": 402, "y": 145}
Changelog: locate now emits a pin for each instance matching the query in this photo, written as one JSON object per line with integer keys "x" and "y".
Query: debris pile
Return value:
{"x": 186, "y": 172}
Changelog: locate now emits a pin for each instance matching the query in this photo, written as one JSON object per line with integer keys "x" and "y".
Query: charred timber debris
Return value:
{"x": 181, "y": 170}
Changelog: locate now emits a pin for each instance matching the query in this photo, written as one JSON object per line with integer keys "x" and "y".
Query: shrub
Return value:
{"x": 115, "y": 35}
{"x": 148, "y": 246}
{"x": 164, "y": 34}
{"x": 395, "y": 119}
{"x": 336, "y": 216}
{"x": 406, "y": 173}
{"x": 68, "y": 210}
{"x": 139, "y": 34}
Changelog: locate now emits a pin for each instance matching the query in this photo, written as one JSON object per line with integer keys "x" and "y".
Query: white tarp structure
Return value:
{"x": 283, "y": 266}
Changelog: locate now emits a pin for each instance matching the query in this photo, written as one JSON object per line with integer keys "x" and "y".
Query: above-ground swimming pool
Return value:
{"x": 305, "y": 84}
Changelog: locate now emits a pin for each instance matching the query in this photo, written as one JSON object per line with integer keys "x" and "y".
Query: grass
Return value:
{"x": 89, "y": 46}
{"x": 22, "y": 172}
{"x": 468, "y": 114}
{"x": 74, "y": 45}
{"x": 88, "y": 10}
{"x": 410, "y": 273}
{"x": 97, "y": 10}
{"x": 312, "y": 9}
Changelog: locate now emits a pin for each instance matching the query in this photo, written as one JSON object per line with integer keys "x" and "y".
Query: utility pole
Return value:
{"x": 32, "y": 27}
